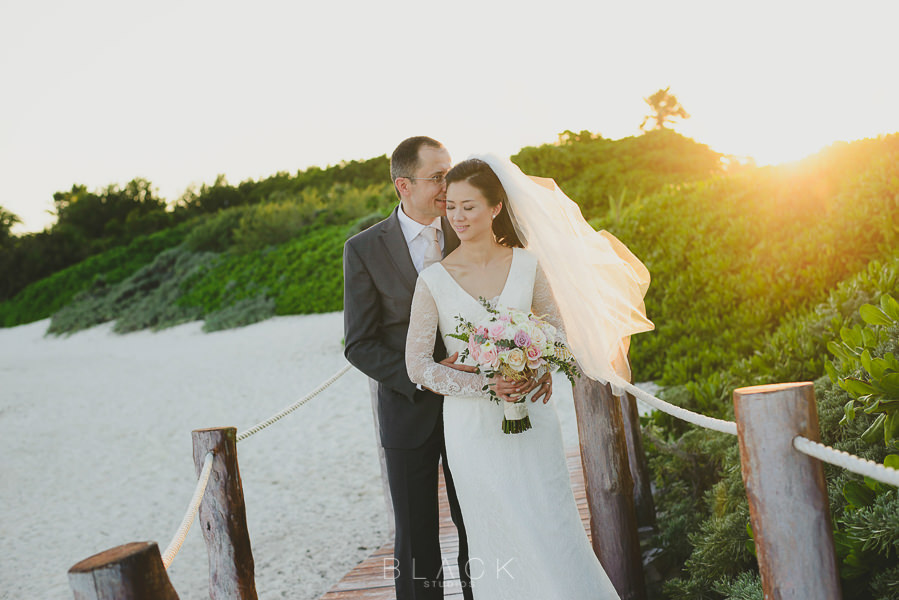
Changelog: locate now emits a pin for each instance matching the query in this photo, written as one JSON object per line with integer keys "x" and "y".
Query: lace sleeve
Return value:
{"x": 420, "y": 351}
{"x": 544, "y": 304}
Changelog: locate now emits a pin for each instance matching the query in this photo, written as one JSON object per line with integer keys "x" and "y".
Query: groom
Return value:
{"x": 380, "y": 267}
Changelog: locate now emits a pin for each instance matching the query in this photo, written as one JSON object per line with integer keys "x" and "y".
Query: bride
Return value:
{"x": 521, "y": 240}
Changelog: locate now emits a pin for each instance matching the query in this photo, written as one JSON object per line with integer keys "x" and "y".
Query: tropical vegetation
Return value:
{"x": 760, "y": 275}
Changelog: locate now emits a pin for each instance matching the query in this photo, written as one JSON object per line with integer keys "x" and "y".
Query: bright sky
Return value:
{"x": 177, "y": 91}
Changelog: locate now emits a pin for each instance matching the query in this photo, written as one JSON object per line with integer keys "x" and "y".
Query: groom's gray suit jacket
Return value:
{"x": 379, "y": 280}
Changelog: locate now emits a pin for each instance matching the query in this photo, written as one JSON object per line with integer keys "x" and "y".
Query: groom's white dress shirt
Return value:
{"x": 415, "y": 239}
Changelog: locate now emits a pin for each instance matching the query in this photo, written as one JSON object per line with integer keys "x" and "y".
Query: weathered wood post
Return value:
{"x": 391, "y": 519}
{"x": 610, "y": 488}
{"x": 787, "y": 494}
{"x": 636, "y": 456}
{"x": 223, "y": 517}
{"x": 129, "y": 572}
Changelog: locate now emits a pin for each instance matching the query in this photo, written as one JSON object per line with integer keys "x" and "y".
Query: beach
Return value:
{"x": 95, "y": 431}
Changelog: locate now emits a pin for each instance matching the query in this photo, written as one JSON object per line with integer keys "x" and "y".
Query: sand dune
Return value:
{"x": 95, "y": 437}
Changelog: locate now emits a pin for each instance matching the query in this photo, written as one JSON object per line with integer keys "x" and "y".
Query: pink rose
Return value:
{"x": 522, "y": 339}
{"x": 505, "y": 317}
{"x": 487, "y": 357}
{"x": 474, "y": 350}
{"x": 496, "y": 330}
{"x": 482, "y": 331}
{"x": 533, "y": 353}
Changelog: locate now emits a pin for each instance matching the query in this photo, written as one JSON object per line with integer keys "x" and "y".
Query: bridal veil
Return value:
{"x": 597, "y": 282}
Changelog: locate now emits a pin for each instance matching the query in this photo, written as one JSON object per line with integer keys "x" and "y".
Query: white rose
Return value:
{"x": 517, "y": 359}
{"x": 549, "y": 331}
{"x": 538, "y": 337}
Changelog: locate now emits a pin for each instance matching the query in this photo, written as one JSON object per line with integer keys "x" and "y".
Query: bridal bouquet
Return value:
{"x": 517, "y": 345}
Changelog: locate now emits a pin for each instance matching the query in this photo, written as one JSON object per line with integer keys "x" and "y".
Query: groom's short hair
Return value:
{"x": 404, "y": 160}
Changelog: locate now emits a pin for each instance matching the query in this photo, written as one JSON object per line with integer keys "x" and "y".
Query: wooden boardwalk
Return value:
{"x": 367, "y": 581}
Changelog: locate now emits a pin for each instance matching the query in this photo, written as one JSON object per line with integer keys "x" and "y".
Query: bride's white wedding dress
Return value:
{"x": 525, "y": 537}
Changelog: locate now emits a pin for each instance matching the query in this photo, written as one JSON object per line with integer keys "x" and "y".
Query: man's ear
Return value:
{"x": 402, "y": 186}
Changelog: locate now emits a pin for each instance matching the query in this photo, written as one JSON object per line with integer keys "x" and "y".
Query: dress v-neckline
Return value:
{"x": 505, "y": 283}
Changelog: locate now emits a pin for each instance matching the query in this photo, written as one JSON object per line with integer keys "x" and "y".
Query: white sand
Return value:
{"x": 96, "y": 450}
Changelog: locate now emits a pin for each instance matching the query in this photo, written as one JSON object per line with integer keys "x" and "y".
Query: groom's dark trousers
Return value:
{"x": 379, "y": 280}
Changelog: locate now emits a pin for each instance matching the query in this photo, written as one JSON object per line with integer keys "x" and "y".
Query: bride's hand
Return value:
{"x": 508, "y": 390}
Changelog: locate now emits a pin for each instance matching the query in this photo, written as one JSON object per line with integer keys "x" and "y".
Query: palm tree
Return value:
{"x": 7, "y": 220}
{"x": 665, "y": 108}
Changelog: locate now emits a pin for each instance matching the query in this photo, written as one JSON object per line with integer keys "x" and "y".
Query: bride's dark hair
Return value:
{"x": 479, "y": 174}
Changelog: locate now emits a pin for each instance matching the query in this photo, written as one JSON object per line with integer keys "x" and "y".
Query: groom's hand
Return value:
{"x": 450, "y": 361}
{"x": 545, "y": 388}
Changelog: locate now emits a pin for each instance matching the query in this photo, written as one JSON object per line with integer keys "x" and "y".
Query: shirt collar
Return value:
{"x": 411, "y": 228}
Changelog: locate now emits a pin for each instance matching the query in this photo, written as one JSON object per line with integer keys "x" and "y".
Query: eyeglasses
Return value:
{"x": 438, "y": 179}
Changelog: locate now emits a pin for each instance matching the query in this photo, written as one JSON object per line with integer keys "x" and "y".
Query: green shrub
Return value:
{"x": 363, "y": 223}
{"x": 868, "y": 369}
{"x": 272, "y": 224}
{"x": 285, "y": 216}
{"x": 591, "y": 169}
{"x": 215, "y": 233}
{"x": 746, "y": 586}
{"x": 147, "y": 299}
{"x": 302, "y": 276}
{"x": 863, "y": 511}
{"x": 733, "y": 257}
{"x": 243, "y": 312}
{"x": 42, "y": 298}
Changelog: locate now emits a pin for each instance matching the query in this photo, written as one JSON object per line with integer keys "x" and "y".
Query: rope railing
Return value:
{"x": 175, "y": 545}
{"x": 839, "y": 458}
{"x": 681, "y": 413}
{"x": 257, "y": 428}
{"x": 850, "y": 462}
{"x": 820, "y": 451}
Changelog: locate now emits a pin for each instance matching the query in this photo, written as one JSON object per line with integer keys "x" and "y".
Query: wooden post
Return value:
{"x": 643, "y": 503}
{"x": 128, "y": 572}
{"x": 787, "y": 494}
{"x": 609, "y": 486}
{"x": 391, "y": 519}
{"x": 223, "y": 517}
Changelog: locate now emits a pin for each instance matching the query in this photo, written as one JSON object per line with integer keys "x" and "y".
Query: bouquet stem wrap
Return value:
{"x": 515, "y": 415}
